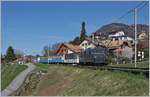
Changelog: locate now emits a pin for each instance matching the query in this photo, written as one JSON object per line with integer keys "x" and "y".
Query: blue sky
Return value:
{"x": 30, "y": 25}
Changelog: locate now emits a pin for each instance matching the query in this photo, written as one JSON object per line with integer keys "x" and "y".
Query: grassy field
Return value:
{"x": 9, "y": 73}
{"x": 144, "y": 64}
{"x": 73, "y": 81}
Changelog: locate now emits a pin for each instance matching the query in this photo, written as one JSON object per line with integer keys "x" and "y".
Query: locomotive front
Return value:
{"x": 95, "y": 56}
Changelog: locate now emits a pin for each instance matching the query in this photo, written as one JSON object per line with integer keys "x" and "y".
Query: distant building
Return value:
{"x": 29, "y": 58}
{"x": 124, "y": 51}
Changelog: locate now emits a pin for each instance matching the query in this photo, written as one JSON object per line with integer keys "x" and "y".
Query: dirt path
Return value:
{"x": 18, "y": 81}
{"x": 55, "y": 89}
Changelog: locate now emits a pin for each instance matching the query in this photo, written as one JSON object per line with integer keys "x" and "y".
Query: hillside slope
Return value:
{"x": 72, "y": 81}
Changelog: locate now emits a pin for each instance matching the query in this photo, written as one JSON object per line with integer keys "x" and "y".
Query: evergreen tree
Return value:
{"x": 78, "y": 40}
{"x": 45, "y": 51}
{"x": 10, "y": 55}
{"x": 83, "y": 32}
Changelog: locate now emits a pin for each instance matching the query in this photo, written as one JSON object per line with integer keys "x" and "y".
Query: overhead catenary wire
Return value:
{"x": 139, "y": 6}
{"x": 142, "y": 6}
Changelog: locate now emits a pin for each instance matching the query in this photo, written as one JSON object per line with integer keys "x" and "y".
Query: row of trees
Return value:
{"x": 50, "y": 48}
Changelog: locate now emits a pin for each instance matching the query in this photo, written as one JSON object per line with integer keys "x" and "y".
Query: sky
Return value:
{"x": 30, "y": 25}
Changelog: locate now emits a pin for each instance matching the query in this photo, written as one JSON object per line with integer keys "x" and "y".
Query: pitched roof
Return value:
{"x": 95, "y": 42}
{"x": 115, "y": 44}
{"x": 52, "y": 52}
{"x": 73, "y": 48}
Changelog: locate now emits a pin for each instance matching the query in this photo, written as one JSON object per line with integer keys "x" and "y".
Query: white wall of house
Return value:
{"x": 129, "y": 38}
{"x": 69, "y": 52}
{"x": 86, "y": 44}
{"x": 127, "y": 52}
{"x": 119, "y": 33}
{"x": 124, "y": 52}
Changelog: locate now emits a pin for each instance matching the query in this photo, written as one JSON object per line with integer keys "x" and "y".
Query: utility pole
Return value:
{"x": 135, "y": 39}
{"x": 48, "y": 54}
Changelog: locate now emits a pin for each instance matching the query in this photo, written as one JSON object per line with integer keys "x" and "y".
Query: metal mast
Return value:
{"x": 48, "y": 54}
{"x": 135, "y": 39}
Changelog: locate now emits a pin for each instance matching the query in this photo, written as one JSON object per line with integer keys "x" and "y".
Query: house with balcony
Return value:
{"x": 120, "y": 36}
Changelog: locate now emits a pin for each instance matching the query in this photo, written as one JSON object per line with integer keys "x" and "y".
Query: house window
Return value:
{"x": 116, "y": 38}
{"x": 85, "y": 44}
{"x": 113, "y": 39}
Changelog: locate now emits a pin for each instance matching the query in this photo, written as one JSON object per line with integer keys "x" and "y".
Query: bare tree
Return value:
{"x": 18, "y": 53}
{"x": 50, "y": 48}
{"x": 45, "y": 51}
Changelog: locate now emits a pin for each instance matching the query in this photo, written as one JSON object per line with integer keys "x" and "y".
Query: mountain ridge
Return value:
{"x": 128, "y": 29}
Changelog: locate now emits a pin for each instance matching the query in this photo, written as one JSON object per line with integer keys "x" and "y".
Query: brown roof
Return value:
{"x": 73, "y": 48}
{"x": 114, "y": 44}
{"x": 95, "y": 42}
{"x": 52, "y": 52}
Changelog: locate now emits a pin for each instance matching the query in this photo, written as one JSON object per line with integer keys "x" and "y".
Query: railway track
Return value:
{"x": 144, "y": 71}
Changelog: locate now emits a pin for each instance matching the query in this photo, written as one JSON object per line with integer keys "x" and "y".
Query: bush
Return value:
{"x": 146, "y": 52}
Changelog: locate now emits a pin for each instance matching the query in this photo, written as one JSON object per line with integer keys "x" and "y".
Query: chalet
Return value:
{"x": 120, "y": 36}
{"x": 68, "y": 49}
{"x": 113, "y": 39}
{"x": 87, "y": 43}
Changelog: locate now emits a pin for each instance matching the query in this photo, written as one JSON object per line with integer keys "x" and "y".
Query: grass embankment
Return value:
{"x": 42, "y": 67}
{"x": 144, "y": 64}
{"x": 9, "y": 73}
{"x": 73, "y": 81}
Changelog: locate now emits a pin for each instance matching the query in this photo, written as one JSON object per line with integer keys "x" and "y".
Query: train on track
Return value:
{"x": 94, "y": 56}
